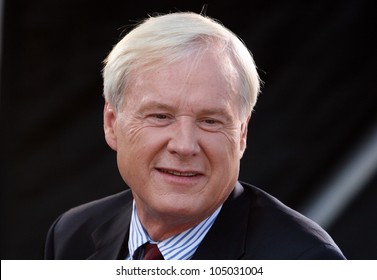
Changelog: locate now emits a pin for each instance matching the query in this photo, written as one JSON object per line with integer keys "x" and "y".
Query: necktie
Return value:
{"x": 151, "y": 252}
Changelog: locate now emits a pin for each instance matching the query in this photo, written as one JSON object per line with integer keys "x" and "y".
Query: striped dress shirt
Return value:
{"x": 178, "y": 247}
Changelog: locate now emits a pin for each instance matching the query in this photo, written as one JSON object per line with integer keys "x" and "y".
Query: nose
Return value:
{"x": 184, "y": 141}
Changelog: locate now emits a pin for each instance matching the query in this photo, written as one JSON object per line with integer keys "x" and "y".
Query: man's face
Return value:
{"x": 179, "y": 138}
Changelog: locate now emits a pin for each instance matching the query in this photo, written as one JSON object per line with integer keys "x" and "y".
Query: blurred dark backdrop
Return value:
{"x": 318, "y": 107}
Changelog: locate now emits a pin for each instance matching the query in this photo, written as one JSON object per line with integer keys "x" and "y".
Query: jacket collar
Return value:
{"x": 226, "y": 239}
{"x": 111, "y": 238}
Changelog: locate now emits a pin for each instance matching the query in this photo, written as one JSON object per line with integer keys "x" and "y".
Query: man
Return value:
{"x": 179, "y": 91}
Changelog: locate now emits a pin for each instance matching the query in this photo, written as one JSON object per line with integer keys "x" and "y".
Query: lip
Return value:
{"x": 179, "y": 173}
{"x": 186, "y": 178}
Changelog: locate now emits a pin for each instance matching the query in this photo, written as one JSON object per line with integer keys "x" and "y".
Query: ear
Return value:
{"x": 109, "y": 123}
{"x": 243, "y": 138}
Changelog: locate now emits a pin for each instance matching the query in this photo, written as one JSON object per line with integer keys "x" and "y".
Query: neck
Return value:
{"x": 165, "y": 227}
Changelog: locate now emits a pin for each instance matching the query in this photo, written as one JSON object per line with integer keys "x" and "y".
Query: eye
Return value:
{"x": 210, "y": 121}
{"x": 160, "y": 116}
{"x": 160, "y": 119}
{"x": 210, "y": 124}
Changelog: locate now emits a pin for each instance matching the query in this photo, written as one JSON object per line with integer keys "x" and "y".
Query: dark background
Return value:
{"x": 319, "y": 102}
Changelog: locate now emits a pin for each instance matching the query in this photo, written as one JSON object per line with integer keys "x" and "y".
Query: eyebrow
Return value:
{"x": 157, "y": 105}
{"x": 149, "y": 105}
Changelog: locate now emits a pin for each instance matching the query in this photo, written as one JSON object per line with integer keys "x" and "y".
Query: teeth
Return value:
{"x": 182, "y": 174}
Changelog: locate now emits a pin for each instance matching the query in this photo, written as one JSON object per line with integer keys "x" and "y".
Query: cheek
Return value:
{"x": 130, "y": 133}
{"x": 223, "y": 155}
{"x": 223, "y": 151}
{"x": 230, "y": 143}
{"x": 138, "y": 146}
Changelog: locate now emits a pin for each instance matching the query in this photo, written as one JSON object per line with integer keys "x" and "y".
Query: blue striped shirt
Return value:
{"x": 178, "y": 247}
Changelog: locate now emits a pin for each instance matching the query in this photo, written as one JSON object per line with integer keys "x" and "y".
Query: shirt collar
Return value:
{"x": 178, "y": 247}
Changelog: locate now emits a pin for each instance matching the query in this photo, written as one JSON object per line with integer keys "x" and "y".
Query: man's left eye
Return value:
{"x": 210, "y": 124}
{"x": 161, "y": 116}
{"x": 210, "y": 121}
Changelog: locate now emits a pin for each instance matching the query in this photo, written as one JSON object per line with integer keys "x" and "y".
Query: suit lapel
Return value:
{"x": 226, "y": 238}
{"x": 111, "y": 238}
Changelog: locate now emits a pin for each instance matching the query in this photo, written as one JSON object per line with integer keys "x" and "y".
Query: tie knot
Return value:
{"x": 151, "y": 252}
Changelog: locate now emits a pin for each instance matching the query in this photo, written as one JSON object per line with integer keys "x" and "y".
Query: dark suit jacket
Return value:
{"x": 251, "y": 225}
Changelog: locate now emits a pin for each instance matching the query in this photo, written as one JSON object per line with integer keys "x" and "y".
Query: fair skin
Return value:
{"x": 179, "y": 138}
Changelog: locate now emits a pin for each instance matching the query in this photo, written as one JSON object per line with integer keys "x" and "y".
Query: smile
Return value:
{"x": 178, "y": 173}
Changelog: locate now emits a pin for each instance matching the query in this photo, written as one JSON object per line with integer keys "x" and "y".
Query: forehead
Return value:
{"x": 207, "y": 74}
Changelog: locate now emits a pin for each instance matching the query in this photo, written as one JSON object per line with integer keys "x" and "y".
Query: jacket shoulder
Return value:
{"x": 70, "y": 236}
{"x": 280, "y": 232}
{"x": 104, "y": 208}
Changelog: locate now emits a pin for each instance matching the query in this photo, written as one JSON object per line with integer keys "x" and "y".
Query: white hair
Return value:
{"x": 170, "y": 38}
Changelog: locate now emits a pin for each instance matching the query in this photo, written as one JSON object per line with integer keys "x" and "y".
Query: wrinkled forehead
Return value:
{"x": 208, "y": 60}
{"x": 205, "y": 78}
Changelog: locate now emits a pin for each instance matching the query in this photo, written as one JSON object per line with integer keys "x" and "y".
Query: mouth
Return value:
{"x": 179, "y": 173}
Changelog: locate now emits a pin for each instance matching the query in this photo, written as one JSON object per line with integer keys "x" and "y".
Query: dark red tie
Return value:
{"x": 151, "y": 252}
